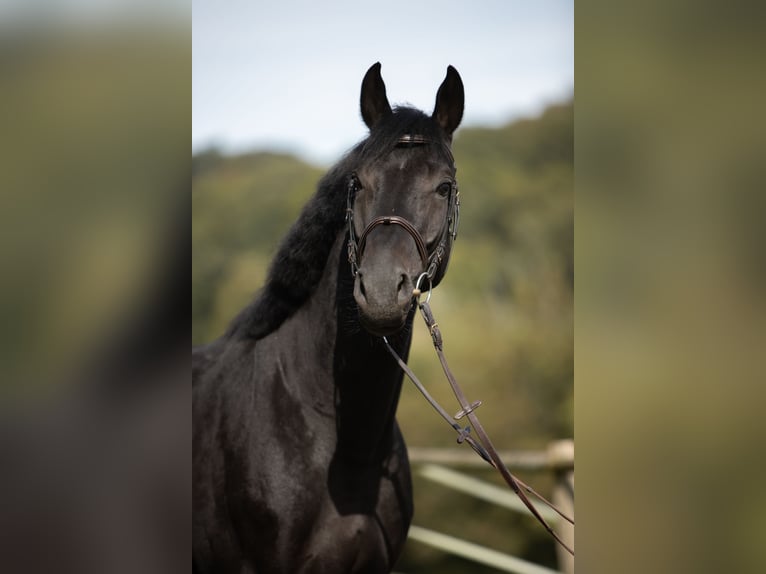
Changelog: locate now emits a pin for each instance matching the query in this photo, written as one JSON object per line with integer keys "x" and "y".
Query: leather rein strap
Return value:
{"x": 483, "y": 446}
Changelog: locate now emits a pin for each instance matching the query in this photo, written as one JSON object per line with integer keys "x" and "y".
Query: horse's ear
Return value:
{"x": 449, "y": 102}
{"x": 374, "y": 102}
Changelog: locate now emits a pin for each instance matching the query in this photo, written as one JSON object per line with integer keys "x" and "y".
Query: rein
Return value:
{"x": 483, "y": 446}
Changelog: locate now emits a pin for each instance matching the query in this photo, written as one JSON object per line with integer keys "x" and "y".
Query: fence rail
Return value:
{"x": 476, "y": 552}
{"x": 434, "y": 464}
{"x": 558, "y": 456}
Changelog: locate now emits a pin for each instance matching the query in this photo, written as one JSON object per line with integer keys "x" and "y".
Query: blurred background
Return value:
{"x": 670, "y": 308}
{"x": 94, "y": 221}
{"x": 276, "y": 102}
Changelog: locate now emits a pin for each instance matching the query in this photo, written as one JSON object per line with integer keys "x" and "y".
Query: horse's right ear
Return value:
{"x": 374, "y": 102}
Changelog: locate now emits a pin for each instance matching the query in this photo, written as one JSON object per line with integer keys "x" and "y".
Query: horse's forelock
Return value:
{"x": 386, "y": 134}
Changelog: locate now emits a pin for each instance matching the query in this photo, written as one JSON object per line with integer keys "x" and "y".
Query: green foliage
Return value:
{"x": 505, "y": 306}
{"x": 241, "y": 207}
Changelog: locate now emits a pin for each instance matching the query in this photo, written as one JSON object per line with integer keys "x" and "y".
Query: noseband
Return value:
{"x": 433, "y": 260}
{"x": 396, "y": 220}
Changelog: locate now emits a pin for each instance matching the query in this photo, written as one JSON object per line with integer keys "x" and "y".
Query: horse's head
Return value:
{"x": 403, "y": 201}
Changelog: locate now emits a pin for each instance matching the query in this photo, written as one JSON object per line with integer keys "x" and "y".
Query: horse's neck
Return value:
{"x": 366, "y": 380}
{"x": 368, "y": 383}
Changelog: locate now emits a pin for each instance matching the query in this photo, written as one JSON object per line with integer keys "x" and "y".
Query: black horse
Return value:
{"x": 298, "y": 462}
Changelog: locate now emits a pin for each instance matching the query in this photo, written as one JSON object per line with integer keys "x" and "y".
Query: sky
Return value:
{"x": 286, "y": 75}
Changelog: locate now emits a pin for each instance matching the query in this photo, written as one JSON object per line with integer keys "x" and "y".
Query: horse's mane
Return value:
{"x": 302, "y": 256}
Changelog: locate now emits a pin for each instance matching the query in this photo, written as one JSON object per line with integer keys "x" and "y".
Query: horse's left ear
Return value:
{"x": 449, "y": 102}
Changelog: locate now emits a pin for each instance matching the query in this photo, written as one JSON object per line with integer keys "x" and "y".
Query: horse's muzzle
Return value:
{"x": 384, "y": 305}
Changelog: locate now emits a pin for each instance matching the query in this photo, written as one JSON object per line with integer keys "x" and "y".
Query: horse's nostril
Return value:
{"x": 362, "y": 290}
{"x": 401, "y": 282}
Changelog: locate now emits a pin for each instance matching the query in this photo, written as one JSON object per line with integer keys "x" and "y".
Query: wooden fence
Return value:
{"x": 439, "y": 465}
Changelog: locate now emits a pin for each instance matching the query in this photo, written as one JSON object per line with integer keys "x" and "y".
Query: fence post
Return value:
{"x": 561, "y": 456}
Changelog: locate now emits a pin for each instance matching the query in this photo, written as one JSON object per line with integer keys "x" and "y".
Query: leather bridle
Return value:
{"x": 432, "y": 260}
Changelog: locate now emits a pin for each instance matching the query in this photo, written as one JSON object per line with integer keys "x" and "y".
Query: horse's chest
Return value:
{"x": 354, "y": 543}
{"x": 337, "y": 520}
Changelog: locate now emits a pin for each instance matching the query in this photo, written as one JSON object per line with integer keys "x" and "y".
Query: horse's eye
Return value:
{"x": 444, "y": 189}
